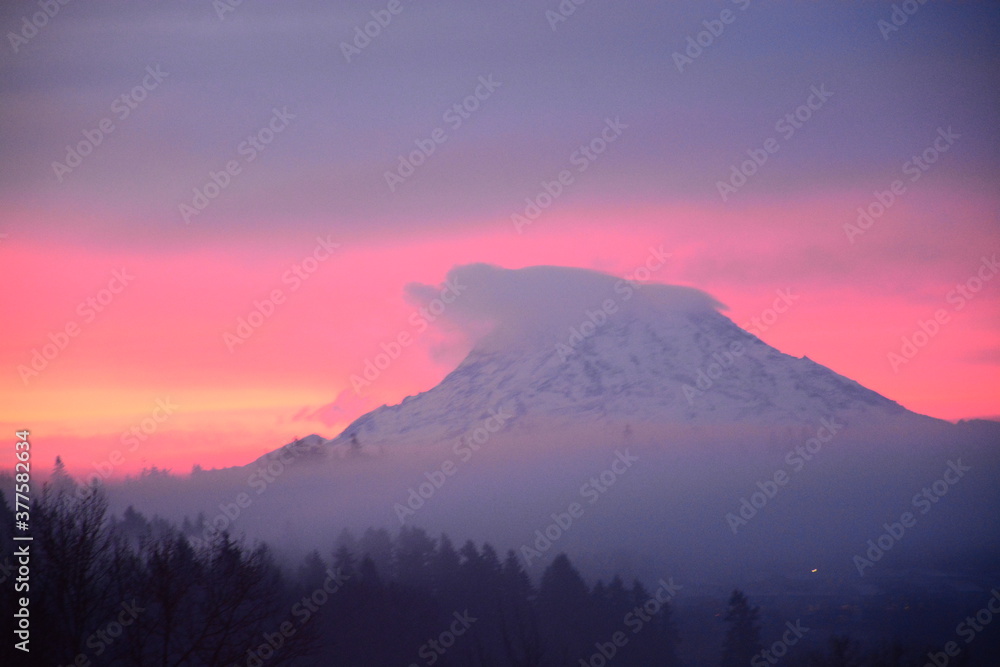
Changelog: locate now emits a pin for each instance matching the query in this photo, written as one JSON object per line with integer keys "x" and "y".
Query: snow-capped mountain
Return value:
{"x": 619, "y": 352}
{"x": 748, "y": 459}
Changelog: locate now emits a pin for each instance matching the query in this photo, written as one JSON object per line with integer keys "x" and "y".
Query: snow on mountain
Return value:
{"x": 597, "y": 349}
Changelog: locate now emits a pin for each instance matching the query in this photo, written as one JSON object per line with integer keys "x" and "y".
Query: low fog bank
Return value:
{"x": 712, "y": 508}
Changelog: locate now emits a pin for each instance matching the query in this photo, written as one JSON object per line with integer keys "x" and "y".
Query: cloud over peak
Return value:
{"x": 494, "y": 306}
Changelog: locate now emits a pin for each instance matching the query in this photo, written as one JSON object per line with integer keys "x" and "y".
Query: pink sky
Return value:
{"x": 162, "y": 337}
{"x": 606, "y": 80}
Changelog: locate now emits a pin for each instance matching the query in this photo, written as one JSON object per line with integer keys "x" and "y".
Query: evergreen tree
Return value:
{"x": 843, "y": 652}
{"x": 656, "y": 639}
{"x": 520, "y": 636}
{"x": 565, "y": 610}
{"x": 61, "y": 482}
{"x": 345, "y": 563}
{"x": 312, "y": 572}
{"x": 377, "y": 545}
{"x": 444, "y": 567}
{"x": 743, "y": 635}
{"x": 412, "y": 553}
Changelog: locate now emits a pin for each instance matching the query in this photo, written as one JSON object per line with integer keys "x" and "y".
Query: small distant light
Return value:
{"x": 815, "y": 569}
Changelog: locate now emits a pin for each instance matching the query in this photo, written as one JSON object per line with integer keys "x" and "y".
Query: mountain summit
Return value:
{"x": 576, "y": 346}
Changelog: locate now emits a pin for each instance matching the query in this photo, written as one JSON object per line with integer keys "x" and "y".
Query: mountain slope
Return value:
{"x": 615, "y": 352}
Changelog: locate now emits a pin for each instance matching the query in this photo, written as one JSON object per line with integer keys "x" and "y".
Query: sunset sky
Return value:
{"x": 248, "y": 159}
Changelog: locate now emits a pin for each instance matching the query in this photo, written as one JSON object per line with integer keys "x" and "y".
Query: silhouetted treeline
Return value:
{"x": 136, "y": 591}
{"x": 130, "y": 590}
